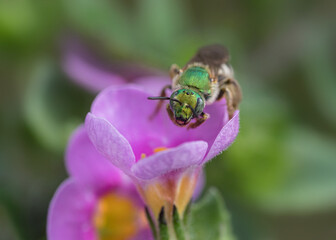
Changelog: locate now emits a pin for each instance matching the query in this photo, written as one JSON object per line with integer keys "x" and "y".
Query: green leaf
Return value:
{"x": 53, "y": 106}
{"x": 310, "y": 184}
{"x": 8, "y": 228}
{"x": 106, "y": 20}
{"x": 165, "y": 28}
{"x": 17, "y": 19}
{"x": 320, "y": 70}
{"x": 210, "y": 219}
{"x": 254, "y": 167}
{"x": 145, "y": 32}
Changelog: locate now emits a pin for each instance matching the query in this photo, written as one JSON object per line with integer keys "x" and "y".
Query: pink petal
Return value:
{"x": 153, "y": 84}
{"x": 199, "y": 185}
{"x": 87, "y": 74}
{"x": 186, "y": 155}
{"x": 70, "y": 212}
{"x": 225, "y": 137}
{"x": 128, "y": 110}
{"x": 108, "y": 141}
{"x": 87, "y": 165}
{"x": 91, "y": 71}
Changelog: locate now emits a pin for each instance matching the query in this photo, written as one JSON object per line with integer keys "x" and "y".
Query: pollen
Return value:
{"x": 115, "y": 218}
{"x": 156, "y": 150}
{"x": 159, "y": 149}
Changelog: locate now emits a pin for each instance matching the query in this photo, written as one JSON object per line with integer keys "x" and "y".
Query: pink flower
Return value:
{"x": 97, "y": 202}
{"x": 89, "y": 71}
{"x": 162, "y": 159}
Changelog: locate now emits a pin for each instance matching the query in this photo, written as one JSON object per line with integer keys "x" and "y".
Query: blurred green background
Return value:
{"x": 279, "y": 177}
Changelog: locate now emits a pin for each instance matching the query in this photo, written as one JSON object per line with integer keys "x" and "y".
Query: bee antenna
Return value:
{"x": 164, "y": 98}
{"x": 158, "y": 98}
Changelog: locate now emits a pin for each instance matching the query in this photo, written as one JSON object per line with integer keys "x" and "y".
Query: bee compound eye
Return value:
{"x": 199, "y": 106}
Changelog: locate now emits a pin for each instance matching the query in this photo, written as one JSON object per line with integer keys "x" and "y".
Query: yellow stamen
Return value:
{"x": 159, "y": 149}
{"x": 153, "y": 197}
{"x": 185, "y": 190}
{"x": 116, "y": 218}
{"x": 156, "y": 150}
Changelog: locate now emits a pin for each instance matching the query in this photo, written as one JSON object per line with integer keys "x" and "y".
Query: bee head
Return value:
{"x": 186, "y": 104}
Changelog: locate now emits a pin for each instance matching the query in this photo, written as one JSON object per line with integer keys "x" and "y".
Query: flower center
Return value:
{"x": 156, "y": 150}
{"x": 116, "y": 217}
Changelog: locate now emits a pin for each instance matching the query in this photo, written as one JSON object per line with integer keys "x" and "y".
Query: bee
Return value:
{"x": 206, "y": 78}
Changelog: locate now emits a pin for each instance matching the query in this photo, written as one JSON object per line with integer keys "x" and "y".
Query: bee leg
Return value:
{"x": 201, "y": 119}
{"x": 228, "y": 96}
{"x": 174, "y": 70}
{"x": 159, "y": 105}
{"x": 230, "y": 89}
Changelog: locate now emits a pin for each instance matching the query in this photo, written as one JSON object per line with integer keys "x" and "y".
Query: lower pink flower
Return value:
{"x": 98, "y": 202}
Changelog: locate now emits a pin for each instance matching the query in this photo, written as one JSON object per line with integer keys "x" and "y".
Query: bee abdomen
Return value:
{"x": 212, "y": 55}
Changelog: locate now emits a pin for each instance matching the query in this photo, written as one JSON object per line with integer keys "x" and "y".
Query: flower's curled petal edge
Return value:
{"x": 225, "y": 137}
{"x": 109, "y": 142}
{"x": 70, "y": 209}
{"x": 186, "y": 155}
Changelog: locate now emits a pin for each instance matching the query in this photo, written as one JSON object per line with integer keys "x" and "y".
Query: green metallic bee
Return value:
{"x": 206, "y": 78}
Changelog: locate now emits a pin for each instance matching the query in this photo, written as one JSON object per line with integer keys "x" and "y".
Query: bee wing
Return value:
{"x": 212, "y": 55}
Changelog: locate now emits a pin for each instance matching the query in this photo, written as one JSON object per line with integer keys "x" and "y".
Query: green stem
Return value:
{"x": 151, "y": 223}
{"x": 187, "y": 214}
{"x": 163, "y": 228}
{"x": 177, "y": 223}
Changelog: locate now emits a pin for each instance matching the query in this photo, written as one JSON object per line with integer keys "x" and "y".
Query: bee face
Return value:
{"x": 186, "y": 104}
{"x": 183, "y": 115}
